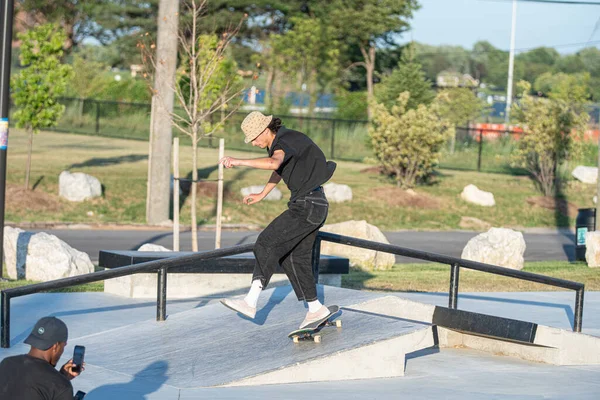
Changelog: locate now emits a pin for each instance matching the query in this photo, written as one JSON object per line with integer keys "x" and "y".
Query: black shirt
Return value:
{"x": 29, "y": 378}
{"x": 304, "y": 166}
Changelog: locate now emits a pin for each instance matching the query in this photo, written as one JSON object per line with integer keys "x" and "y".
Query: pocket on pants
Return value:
{"x": 317, "y": 210}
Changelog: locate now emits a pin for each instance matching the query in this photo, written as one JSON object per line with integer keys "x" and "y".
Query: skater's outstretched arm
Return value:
{"x": 269, "y": 163}
{"x": 256, "y": 197}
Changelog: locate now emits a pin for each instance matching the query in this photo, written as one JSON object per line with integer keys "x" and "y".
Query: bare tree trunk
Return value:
{"x": 269, "y": 88}
{"x": 369, "y": 56}
{"x": 194, "y": 190}
{"x": 29, "y": 151}
{"x": 160, "y": 142}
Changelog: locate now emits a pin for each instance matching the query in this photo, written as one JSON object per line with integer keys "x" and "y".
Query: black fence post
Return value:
{"x": 578, "y": 317}
{"x": 480, "y": 149}
{"x": 332, "y": 154}
{"x": 97, "y": 117}
{"x": 161, "y": 300}
{"x": 5, "y": 339}
{"x": 453, "y": 295}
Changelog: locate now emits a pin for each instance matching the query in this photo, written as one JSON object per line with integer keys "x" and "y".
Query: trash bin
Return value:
{"x": 586, "y": 221}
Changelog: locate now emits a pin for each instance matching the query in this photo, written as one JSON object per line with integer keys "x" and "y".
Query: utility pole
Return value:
{"x": 6, "y": 27}
{"x": 511, "y": 65}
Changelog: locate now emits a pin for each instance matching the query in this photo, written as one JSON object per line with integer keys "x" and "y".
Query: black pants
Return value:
{"x": 289, "y": 240}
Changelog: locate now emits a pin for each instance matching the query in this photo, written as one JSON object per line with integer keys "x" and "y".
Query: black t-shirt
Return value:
{"x": 29, "y": 378}
{"x": 304, "y": 166}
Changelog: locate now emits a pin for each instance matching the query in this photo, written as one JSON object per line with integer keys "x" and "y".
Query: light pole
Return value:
{"x": 511, "y": 66}
{"x": 6, "y": 26}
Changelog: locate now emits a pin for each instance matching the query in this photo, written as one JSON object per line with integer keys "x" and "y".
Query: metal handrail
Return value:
{"x": 162, "y": 266}
{"x": 456, "y": 263}
{"x": 157, "y": 265}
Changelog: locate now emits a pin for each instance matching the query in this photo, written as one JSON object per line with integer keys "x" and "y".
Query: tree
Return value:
{"x": 367, "y": 24}
{"x": 459, "y": 106}
{"x": 39, "y": 84}
{"x": 407, "y": 142}
{"x": 309, "y": 54}
{"x": 206, "y": 84}
{"x": 568, "y": 87}
{"x": 74, "y": 16}
{"x": 407, "y": 77}
{"x": 553, "y": 129}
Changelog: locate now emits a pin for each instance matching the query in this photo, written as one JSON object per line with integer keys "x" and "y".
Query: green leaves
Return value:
{"x": 407, "y": 142}
{"x": 407, "y": 77}
{"x": 42, "y": 80}
{"x": 553, "y": 129}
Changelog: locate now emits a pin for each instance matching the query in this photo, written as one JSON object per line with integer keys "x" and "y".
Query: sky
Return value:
{"x": 464, "y": 22}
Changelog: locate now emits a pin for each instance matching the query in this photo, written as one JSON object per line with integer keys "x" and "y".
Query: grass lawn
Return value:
{"x": 434, "y": 277}
{"x": 121, "y": 166}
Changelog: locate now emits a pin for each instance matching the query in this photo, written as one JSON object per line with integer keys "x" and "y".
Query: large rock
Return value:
{"x": 152, "y": 247}
{"x": 473, "y": 194}
{"x": 592, "y": 249}
{"x": 586, "y": 174}
{"x": 41, "y": 257}
{"x": 78, "y": 186}
{"x": 498, "y": 246}
{"x": 274, "y": 195}
{"x": 337, "y": 193}
{"x": 361, "y": 258}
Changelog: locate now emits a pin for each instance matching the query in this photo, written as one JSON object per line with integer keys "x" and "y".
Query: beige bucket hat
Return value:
{"x": 254, "y": 124}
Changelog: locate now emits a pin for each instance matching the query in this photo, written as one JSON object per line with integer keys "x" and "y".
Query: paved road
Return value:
{"x": 540, "y": 246}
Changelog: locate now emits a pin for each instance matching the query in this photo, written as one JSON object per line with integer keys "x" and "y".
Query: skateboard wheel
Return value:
{"x": 296, "y": 339}
{"x": 317, "y": 338}
{"x": 338, "y": 323}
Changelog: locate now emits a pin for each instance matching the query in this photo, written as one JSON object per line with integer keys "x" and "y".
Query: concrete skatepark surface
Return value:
{"x": 131, "y": 356}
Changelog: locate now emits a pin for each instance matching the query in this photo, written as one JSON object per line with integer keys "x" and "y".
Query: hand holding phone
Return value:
{"x": 78, "y": 356}
{"x": 79, "y": 395}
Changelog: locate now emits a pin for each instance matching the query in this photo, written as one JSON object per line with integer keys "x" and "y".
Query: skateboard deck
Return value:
{"x": 311, "y": 331}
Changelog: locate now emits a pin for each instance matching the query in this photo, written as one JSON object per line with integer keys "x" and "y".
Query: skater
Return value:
{"x": 289, "y": 239}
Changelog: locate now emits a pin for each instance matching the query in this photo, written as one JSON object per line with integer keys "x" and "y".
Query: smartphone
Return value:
{"x": 78, "y": 355}
{"x": 79, "y": 395}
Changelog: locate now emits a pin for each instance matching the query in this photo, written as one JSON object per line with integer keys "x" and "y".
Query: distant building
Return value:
{"x": 456, "y": 79}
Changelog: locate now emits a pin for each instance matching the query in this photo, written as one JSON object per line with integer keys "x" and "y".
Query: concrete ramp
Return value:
{"x": 213, "y": 346}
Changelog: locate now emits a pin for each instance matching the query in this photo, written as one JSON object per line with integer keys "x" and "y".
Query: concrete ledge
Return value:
{"x": 540, "y": 343}
{"x": 181, "y": 286}
{"x": 207, "y": 278}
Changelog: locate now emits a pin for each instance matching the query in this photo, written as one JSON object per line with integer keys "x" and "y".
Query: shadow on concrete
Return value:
{"x": 145, "y": 382}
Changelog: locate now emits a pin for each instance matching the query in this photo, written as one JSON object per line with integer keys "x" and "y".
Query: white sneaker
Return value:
{"x": 321, "y": 313}
{"x": 240, "y": 306}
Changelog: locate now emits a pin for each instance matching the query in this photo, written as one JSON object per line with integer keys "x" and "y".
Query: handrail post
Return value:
{"x": 5, "y": 321}
{"x": 161, "y": 298}
{"x": 316, "y": 257}
{"x": 453, "y": 295}
{"x": 578, "y": 317}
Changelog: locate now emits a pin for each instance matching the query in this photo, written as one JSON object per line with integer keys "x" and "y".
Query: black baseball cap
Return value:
{"x": 47, "y": 332}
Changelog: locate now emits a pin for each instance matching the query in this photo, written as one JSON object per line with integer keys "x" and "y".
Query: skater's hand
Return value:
{"x": 229, "y": 162}
{"x": 252, "y": 198}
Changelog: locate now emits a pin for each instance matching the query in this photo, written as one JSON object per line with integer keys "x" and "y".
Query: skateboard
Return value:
{"x": 311, "y": 331}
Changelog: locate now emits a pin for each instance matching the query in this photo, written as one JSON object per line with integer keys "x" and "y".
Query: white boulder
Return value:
{"x": 78, "y": 186}
{"x": 361, "y": 258}
{"x": 586, "y": 174}
{"x": 473, "y": 194}
{"x": 498, "y": 246}
{"x": 592, "y": 249}
{"x": 41, "y": 256}
{"x": 274, "y": 195}
{"x": 337, "y": 193}
{"x": 152, "y": 247}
